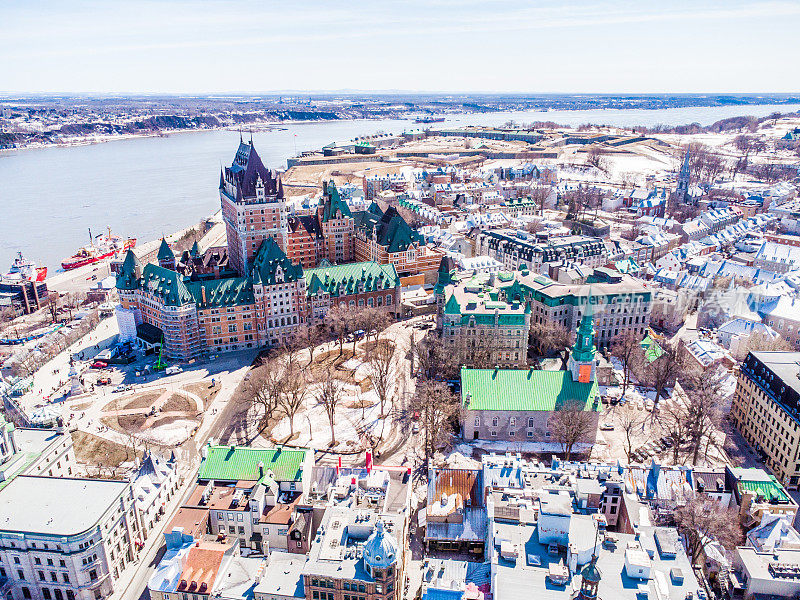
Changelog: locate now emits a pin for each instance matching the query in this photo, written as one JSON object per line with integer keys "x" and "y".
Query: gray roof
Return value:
{"x": 283, "y": 576}
{"x": 785, "y": 365}
{"x": 55, "y": 505}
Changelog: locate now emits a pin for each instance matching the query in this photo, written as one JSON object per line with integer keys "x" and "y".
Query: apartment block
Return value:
{"x": 766, "y": 410}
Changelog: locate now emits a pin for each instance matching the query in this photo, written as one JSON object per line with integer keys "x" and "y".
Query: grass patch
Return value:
{"x": 94, "y": 450}
{"x": 139, "y": 401}
{"x": 367, "y": 347}
{"x": 81, "y": 406}
{"x": 178, "y": 403}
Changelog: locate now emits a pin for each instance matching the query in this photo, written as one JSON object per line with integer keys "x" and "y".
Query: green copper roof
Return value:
{"x": 332, "y": 203}
{"x": 271, "y": 265}
{"x": 652, "y": 350}
{"x": 452, "y": 307}
{"x": 343, "y": 280}
{"x": 168, "y": 285}
{"x": 128, "y": 276}
{"x": 164, "y": 251}
{"x": 771, "y": 490}
{"x": 222, "y": 292}
{"x": 238, "y": 463}
{"x": 521, "y": 389}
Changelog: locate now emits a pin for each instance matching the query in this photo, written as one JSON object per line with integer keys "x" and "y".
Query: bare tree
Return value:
{"x": 596, "y": 158}
{"x": 703, "y": 395}
{"x": 51, "y": 303}
{"x": 374, "y": 321}
{"x": 546, "y": 338}
{"x": 382, "y": 370}
{"x": 328, "y": 396}
{"x": 762, "y": 342}
{"x": 627, "y": 348}
{"x": 631, "y": 423}
{"x": 337, "y": 320}
{"x": 702, "y": 520}
{"x": 539, "y": 195}
{"x": 571, "y": 425}
{"x": 662, "y": 371}
{"x": 262, "y": 390}
{"x": 295, "y": 389}
{"x": 309, "y": 337}
{"x": 436, "y": 406}
{"x": 435, "y": 359}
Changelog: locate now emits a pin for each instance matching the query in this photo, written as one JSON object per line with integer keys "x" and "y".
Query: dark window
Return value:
{"x": 41, "y": 575}
{"x": 70, "y": 595}
{"x": 59, "y": 595}
{"x": 46, "y": 593}
{"x": 93, "y": 575}
{"x": 26, "y": 593}
{"x": 20, "y": 575}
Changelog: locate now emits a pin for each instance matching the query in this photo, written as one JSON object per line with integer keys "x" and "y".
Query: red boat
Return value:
{"x": 100, "y": 247}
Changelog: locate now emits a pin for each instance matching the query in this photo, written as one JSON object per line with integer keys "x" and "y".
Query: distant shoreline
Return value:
{"x": 272, "y": 125}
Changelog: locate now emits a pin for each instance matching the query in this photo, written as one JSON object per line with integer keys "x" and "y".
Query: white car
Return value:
{"x": 607, "y": 427}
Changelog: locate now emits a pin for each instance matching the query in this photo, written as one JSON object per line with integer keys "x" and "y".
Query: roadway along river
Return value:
{"x": 146, "y": 187}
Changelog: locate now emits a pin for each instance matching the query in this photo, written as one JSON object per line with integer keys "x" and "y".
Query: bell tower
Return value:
{"x": 582, "y": 362}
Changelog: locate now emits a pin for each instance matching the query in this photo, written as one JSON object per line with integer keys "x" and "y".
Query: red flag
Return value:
{"x": 339, "y": 467}
{"x": 369, "y": 462}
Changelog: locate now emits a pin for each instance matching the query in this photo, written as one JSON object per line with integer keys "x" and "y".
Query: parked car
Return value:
{"x": 104, "y": 381}
{"x": 98, "y": 364}
{"x": 415, "y": 428}
{"x": 607, "y": 426}
{"x": 173, "y": 370}
{"x": 120, "y": 388}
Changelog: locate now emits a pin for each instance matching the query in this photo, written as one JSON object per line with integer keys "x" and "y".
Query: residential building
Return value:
{"x": 777, "y": 257}
{"x": 253, "y": 494}
{"x": 518, "y": 250}
{"x": 253, "y": 207}
{"x": 155, "y": 482}
{"x": 774, "y": 574}
{"x": 455, "y": 516}
{"x": 65, "y": 538}
{"x": 766, "y": 410}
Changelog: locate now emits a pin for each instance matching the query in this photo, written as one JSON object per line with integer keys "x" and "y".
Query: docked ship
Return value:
{"x": 24, "y": 270}
{"x": 100, "y": 247}
{"x": 429, "y": 120}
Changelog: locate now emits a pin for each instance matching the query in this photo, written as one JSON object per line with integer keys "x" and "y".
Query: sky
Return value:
{"x": 572, "y": 46}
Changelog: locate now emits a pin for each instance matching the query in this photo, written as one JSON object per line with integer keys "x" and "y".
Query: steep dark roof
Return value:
{"x": 269, "y": 260}
{"x": 390, "y": 229}
{"x": 164, "y": 251}
{"x": 307, "y": 222}
{"x": 166, "y": 285}
{"x": 332, "y": 202}
{"x": 128, "y": 276}
{"x": 246, "y": 170}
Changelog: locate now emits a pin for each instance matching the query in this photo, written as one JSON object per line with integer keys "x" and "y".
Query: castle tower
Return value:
{"x": 166, "y": 258}
{"x": 253, "y": 207}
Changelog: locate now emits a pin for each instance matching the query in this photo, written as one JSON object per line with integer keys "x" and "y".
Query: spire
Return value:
{"x": 164, "y": 251}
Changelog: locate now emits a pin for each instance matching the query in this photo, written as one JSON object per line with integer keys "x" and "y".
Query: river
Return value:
{"x": 147, "y": 187}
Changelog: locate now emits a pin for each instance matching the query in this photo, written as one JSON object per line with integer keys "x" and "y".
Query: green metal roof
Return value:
{"x": 222, "y": 292}
{"x": 238, "y": 463}
{"x": 344, "y": 280}
{"x": 652, "y": 350}
{"x": 521, "y": 389}
{"x": 770, "y": 489}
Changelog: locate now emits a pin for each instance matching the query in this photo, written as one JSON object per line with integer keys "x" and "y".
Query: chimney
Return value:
{"x": 260, "y": 469}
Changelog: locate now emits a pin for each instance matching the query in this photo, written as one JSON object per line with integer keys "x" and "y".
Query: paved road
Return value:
{"x": 133, "y": 584}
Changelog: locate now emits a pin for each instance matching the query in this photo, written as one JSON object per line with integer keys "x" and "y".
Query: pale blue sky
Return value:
{"x": 438, "y": 45}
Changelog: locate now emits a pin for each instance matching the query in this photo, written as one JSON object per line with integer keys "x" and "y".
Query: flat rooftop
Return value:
{"x": 55, "y": 505}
